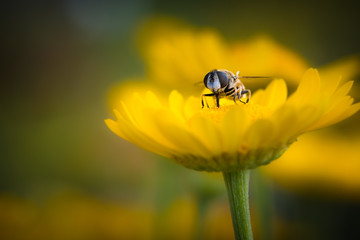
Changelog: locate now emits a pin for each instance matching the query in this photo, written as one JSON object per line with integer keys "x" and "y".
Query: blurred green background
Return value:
{"x": 60, "y": 59}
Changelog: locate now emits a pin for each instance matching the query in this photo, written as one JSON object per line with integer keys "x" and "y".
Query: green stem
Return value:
{"x": 237, "y": 185}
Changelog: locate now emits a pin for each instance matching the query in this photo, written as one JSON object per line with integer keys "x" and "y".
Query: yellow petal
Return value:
{"x": 176, "y": 104}
{"x": 152, "y": 100}
{"x": 132, "y": 134}
{"x": 259, "y": 134}
{"x": 233, "y": 127}
{"x": 114, "y": 127}
{"x": 192, "y": 107}
{"x": 343, "y": 109}
{"x": 274, "y": 95}
{"x": 347, "y": 68}
{"x": 308, "y": 88}
{"x": 178, "y": 135}
{"x": 208, "y": 132}
{"x": 344, "y": 89}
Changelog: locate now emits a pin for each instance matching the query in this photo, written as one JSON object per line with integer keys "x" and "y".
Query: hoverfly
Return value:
{"x": 224, "y": 83}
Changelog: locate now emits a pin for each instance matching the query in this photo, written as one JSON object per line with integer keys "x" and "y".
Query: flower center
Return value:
{"x": 253, "y": 111}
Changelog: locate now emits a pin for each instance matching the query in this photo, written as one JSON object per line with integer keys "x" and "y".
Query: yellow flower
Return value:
{"x": 340, "y": 155}
{"x": 177, "y": 55}
{"x": 234, "y": 136}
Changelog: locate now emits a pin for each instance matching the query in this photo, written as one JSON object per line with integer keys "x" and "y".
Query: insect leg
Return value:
{"x": 206, "y": 95}
{"x": 239, "y": 97}
{"x": 231, "y": 92}
{"x": 235, "y": 99}
{"x": 217, "y": 100}
{"x": 248, "y": 92}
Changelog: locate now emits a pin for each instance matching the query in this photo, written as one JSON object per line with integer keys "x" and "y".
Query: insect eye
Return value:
{"x": 206, "y": 78}
{"x": 223, "y": 78}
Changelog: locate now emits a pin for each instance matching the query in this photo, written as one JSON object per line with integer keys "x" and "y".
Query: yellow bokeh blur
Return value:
{"x": 76, "y": 216}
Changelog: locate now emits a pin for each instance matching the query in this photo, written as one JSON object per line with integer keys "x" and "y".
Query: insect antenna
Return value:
{"x": 261, "y": 77}
{"x": 258, "y": 77}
